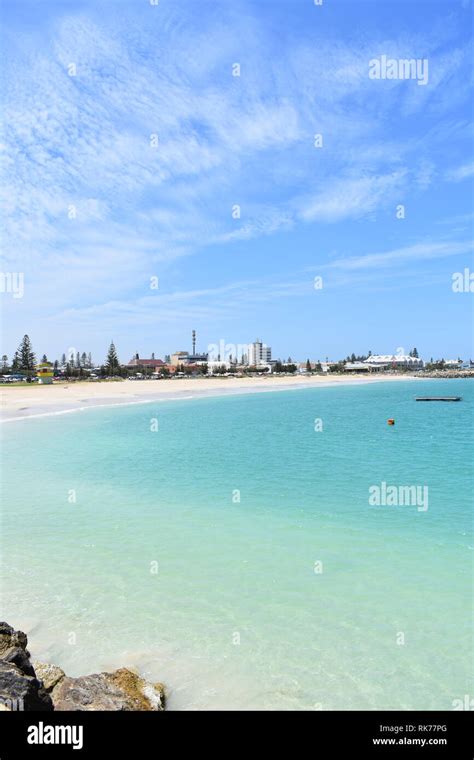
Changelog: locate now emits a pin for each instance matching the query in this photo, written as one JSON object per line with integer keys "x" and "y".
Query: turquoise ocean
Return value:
{"x": 227, "y": 546}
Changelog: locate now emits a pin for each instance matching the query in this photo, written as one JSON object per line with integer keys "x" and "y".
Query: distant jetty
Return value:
{"x": 446, "y": 374}
{"x": 438, "y": 398}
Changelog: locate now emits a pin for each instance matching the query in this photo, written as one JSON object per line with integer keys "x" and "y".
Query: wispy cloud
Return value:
{"x": 352, "y": 198}
{"x": 461, "y": 172}
{"x": 409, "y": 254}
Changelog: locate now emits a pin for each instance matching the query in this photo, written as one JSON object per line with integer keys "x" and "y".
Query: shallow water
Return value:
{"x": 233, "y": 552}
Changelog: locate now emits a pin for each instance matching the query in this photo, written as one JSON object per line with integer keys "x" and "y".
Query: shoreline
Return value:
{"x": 36, "y": 401}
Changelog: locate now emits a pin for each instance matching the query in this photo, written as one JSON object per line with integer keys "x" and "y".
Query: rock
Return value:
{"x": 121, "y": 690}
{"x": 26, "y": 685}
{"x": 13, "y": 648}
{"x": 21, "y": 692}
{"x": 146, "y": 695}
{"x": 11, "y": 638}
{"x": 19, "y": 687}
{"x": 50, "y": 675}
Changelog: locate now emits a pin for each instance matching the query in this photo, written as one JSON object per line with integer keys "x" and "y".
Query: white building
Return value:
{"x": 394, "y": 361}
{"x": 361, "y": 367}
{"x": 215, "y": 367}
{"x": 258, "y": 354}
{"x": 327, "y": 366}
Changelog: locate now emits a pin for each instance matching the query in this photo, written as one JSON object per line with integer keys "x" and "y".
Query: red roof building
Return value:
{"x": 154, "y": 363}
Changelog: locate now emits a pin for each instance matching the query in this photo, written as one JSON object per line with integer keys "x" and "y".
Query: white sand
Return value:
{"x": 33, "y": 400}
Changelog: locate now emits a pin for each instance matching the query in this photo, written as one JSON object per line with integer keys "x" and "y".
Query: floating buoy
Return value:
{"x": 391, "y": 421}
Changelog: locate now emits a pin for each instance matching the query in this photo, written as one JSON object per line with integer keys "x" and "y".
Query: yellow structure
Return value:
{"x": 44, "y": 373}
{"x": 178, "y": 357}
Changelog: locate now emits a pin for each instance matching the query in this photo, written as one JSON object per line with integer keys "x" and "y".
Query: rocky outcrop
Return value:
{"x": 20, "y": 689}
{"x": 41, "y": 686}
{"x": 447, "y": 374}
{"x": 121, "y": 690}
{"x": 13, "y": 648}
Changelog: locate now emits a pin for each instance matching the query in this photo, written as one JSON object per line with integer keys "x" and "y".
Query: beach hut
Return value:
{"x": 44, "y": 373}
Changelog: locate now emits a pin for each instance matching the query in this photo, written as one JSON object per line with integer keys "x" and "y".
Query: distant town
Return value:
{"x": 223, "y": 359}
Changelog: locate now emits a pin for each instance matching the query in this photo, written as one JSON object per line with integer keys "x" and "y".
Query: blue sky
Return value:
{"x": 80, "y": 146}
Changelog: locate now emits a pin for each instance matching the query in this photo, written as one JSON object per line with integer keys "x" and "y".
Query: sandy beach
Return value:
{"x": 32, "y": 400}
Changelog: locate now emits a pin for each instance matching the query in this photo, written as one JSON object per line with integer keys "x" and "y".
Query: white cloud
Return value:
{"x": 461, "y": 172}
{"x": 404, "y": 255}
{"x": 352, "y": 198}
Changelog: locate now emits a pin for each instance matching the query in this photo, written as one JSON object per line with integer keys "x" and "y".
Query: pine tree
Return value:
{"x": 26, "y": 357}
{"x": 78, "y": 359}
{"x": 4, "y": 361}
{"x": 45, "y": 358}
{"x": 63, "y": 360}
{"x": 83, "y": 359}
{"x": 89, "y": 360}
{"x": 112, "y": 363}
{"x": 308, "y": 365}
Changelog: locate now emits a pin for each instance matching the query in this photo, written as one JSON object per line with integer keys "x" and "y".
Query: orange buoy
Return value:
{"x": 391, "y": 421}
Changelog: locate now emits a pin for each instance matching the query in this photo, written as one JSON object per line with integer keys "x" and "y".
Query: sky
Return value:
{"x": 237, "y": 168}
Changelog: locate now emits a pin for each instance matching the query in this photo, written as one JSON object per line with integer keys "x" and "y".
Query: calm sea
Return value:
{"x": 229, "y": 547}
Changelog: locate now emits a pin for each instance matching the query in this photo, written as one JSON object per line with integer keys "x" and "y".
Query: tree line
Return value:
{"x": 24, "y": 360}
